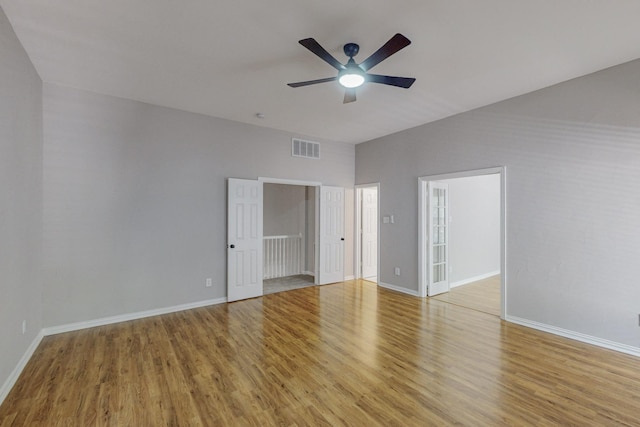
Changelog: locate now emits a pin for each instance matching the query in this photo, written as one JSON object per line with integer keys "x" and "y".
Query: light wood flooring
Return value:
{"x": 483, "y": 295}
{"x": 348, "y": 354}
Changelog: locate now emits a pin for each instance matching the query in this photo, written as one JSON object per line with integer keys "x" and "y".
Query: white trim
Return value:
{"x": 349, "y": 278}
{"x": 289, "y": 181}
{"x": 13, "y": 377}
{"x": 474, "y": 279}
{"x": 423, "y": 251}
{"x": 399, "y": 289}
{"x": 53, "y": 330}
{"x": 599, "y": 342}
{"x": 463, "y": 174}
{"x": 308, "y": 273}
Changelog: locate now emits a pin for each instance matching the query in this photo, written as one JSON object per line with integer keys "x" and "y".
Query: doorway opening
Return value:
{"x": 367, "y": 232}
{"x": 289, "y": 227}
{"x": 462, "y": 239}
{"x": 245, "y": 242}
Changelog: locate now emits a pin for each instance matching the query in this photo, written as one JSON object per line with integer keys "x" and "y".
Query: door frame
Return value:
{"x": 358, "y": 224}
{"x": 423, "y": 222}
{"x": 317, "y": 185}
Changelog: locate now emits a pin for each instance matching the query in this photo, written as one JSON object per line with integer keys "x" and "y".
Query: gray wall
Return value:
{"x": 284, "y": 210}
{"x": 572, "y": 153}
{"x": 20, "y": 200}
{"x": 474, "y": 232}
{"x": 135, "y": 200}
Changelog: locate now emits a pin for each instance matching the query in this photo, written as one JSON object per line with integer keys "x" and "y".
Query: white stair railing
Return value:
{"x": 282, "y": 256}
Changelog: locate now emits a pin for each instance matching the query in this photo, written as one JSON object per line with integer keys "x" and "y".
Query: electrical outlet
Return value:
{"x": 208, "y": 283}
{"x": 397, "y": 271}
{"x": 24, "y": 327}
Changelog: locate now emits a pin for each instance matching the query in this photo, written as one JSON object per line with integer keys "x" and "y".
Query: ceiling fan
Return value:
{"x": 352, "y": 75}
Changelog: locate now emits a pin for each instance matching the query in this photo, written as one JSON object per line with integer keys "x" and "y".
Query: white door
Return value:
{"x": 331, "y": 236}
{"x": 438, "y": 225}
{"x": 369, "y": 233}
{"x": 244, "y": 239}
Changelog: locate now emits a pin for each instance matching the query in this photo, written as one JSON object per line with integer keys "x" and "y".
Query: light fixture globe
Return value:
{"x": 351, "y": 79}
{"x": 352, "y": 76}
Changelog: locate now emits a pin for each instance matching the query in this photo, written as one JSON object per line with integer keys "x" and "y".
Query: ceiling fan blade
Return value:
{"x": 404, "y": 82}
{"x": 312, "y": 82}
{"x": 349, "y": 95}
{"x": 315, "y": 47}
{"x": 394, "y": 44}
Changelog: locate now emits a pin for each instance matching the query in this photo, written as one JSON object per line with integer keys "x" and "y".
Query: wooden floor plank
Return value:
{"x": 349, "y": 354}
{"x": 482, "y": 295}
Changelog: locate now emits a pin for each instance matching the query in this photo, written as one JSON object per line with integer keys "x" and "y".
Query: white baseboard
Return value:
{"x": 399, "y": 289}
{"x": 309, "y": 273}
{"x": 130, "y": 316}
{"x": 611, "y": 345}
{"x": 474, "y": 279}
{"x": 13, "y": 377}
{"x": 352, "y": 277}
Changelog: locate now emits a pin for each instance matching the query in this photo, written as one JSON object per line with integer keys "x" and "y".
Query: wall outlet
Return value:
{"x": 24, "y": 327}
{"x": 208, "y": 282}
{"x": 397, "y": 271}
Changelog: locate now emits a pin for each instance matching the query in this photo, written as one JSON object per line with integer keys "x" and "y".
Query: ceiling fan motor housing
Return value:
{"x": 351, "y": 49}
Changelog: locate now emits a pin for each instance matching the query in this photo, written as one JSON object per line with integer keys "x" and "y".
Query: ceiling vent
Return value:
{"x": 306, "y": 149}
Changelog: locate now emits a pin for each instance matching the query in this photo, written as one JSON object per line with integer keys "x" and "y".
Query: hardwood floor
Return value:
{"x": 483, "y": 295}
{"x": 345, "y": 354}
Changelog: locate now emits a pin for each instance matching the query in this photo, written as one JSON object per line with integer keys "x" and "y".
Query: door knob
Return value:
{"x": 232, "y": 246}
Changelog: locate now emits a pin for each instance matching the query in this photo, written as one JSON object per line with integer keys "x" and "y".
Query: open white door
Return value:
{"x": 438, "y": 226}
{"x": 331, "y": 236}
{"x": 244, "y": 239}
{"x": 369, "y": 233}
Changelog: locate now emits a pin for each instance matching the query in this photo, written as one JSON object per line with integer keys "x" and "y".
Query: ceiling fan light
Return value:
{"x": 351, "y": 80}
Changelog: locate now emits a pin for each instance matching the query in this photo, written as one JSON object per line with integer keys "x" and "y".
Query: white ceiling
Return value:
{"x": 232, "y": 59}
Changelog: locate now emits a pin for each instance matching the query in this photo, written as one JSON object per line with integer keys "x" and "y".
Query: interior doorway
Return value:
{"x": 289, "y": 227}
{"x": 461, "y": 238}
{"x": 368, "y": 232}
{"x": 245, "y": 237}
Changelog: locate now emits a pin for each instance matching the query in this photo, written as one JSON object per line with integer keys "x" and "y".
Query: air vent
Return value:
{"x": 306, "y": 149}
